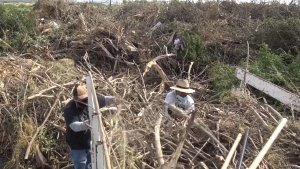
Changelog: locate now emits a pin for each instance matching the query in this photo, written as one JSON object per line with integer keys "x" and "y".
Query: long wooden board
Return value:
{"x": 288, "y": 98}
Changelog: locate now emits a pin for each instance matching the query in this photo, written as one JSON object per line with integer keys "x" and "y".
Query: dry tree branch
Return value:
{"x": 142, "y": 78}
{"x": 159, "y": 70}
{"x": 41, "y": 126}
{"x": 199, "y": 151}
{"x": 272, "y": 117}
{"x": 153, "y": 62}
{"x": 58, "y": 127}
{"x": 161, "y": 73}
{"x": 177, "y": 113}
{"x": 112, "y": 44}
{"x": 39, "y": 157}
{"x": 182, "y": 114}
{"x": 177, "y": 153}
{"x": 189, "y": 72}
{"x": 40, "y": 94}
{"x": 109, "y": 55}
{"x": 83, "y": 22}
{"x": 115, "y": 65}
{"x": 157, "y": 143}
{"x": 68, "y": 166}
{"x": 184, "y": 151}
{"x": 272, "y": 110}
{"x": 199, "y": 74}
{"x": 107, "y": 109}
{"x": 258, "y": 116}
{"x": 218, "y": 129}
{"x": 148, "y": 165}
{"x": 116, "y": 128}
{"x": 171, "y": 38}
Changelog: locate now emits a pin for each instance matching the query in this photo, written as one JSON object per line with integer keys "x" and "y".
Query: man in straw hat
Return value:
{"x": 78, "y": 133}
{"x": 180, "y": 98}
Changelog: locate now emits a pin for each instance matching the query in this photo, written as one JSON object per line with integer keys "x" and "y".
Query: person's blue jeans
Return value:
{"x": 81, "y": 158}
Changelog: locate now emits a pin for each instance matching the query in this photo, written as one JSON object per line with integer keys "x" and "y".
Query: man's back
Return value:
{"x": 80, "y": 139}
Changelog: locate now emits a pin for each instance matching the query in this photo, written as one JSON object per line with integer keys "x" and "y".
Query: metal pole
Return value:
{"x": 244, "y": 147}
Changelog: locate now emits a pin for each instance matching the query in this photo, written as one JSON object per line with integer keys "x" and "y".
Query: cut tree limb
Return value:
{"x": 159, "y": 70}
{"x": 177, "y": 112}
{"x": 272, "y": 110}
{"x": 39, "y": 157}
{"x": 153, "y": 62}
{"x": 182, "y": 114}
{"x": 184, "y": 151}
{"x": 177, "y": 153}
{"x": 161, "y": 73}
{"x": 189, "y": 72}
{"x": 109, "y": 55}
{"x": 258, "y": 116}
{"x": 203, "y": 165}
{"x": 157, "y": 143}
{"x": 83, "y": 22}
{"x": 58, "y": 127}
{"x": 40, "y": 94}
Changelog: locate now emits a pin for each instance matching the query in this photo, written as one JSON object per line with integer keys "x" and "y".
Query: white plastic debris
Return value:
{"x": 54, "y": 24}
{"x": 153, "y": 28}
{"x": 156, "y": 26}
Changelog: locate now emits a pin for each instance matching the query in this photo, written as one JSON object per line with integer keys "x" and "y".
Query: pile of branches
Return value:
{"x": 136, "y": 136}
{"x": 35, "y": 89}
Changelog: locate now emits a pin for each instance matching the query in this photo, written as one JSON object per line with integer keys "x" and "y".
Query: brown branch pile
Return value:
{"x": 33, "y": 92}
{"x": 135, "y": 134}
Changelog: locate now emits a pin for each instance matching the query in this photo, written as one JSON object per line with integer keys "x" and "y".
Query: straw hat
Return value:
{"x": 80, "y": 93}
{"x": 183, "y": 85}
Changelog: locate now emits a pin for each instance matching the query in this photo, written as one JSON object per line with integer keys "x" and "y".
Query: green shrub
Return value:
{"x": 222, "y": 76}
{"x": 279, "y": 34}
{"x": 17, "y": 18}
{"x": 194, "y": 48}
{"x": 18, "y": 23}
{"x": 268, "y": 64}
{"x": 282, "y": 69}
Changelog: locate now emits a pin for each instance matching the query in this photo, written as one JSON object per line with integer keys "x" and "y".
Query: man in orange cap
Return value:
{"x": 180, "y": 98}
{"x": 78, "y": 133}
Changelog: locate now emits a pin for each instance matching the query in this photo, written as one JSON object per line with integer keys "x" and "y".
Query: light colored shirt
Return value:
{"x": 109, "y": 100}
{"x": 171, "y": 99}
{"x": 79, "y": 125}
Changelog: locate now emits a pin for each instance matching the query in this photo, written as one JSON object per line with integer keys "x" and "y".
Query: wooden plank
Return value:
{"x": 286, "y": 97}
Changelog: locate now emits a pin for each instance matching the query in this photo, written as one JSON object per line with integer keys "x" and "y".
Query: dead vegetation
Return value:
{"x": 131, "y": 132}
{"x": 129, "y": 60}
